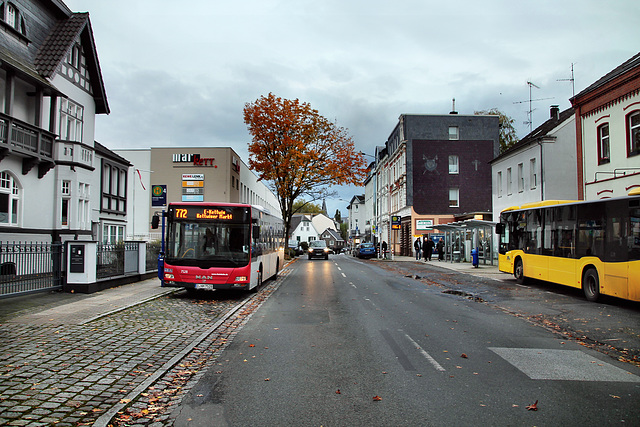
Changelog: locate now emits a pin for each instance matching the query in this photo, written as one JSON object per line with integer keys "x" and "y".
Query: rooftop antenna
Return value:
{"x": 530, "y": 101}
{"x": 453, "y": 111}
{"x": 573, "y": 82}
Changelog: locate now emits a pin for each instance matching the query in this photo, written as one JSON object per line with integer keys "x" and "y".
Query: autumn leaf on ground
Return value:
{"x": 252, "y": 345}
{"x": 338, "y": 391}
{"x": 533, "y": 407}
{"x": 377, "y": 398}
{"x": 464, "y": 356}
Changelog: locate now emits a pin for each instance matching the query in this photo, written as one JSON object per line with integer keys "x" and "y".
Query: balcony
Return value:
{"x": 33, "y": 144}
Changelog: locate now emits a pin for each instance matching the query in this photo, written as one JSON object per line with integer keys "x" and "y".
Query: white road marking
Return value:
{"x": 344, "y": 275}
{"x": 426, "y": 355}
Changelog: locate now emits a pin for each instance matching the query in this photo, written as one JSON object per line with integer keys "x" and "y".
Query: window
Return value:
{"x": 73, "y": 58}
{"x": 454, "y": 197}
{"x": 603, "y": 144}
{"x": 112, "y": 234}
{"x": 66, "y": 188}
{"x": 533, "y": 174}
{"x": 520, "y": 177}
{"x": 453, "y": 164}
{"x": 633, "y": 133}
{"x": 71, "y": 119}
{"x": 499, "y": 179}
{"x": 114, "y": 188}
{"x": 9, "y": 199}
{"x": 453, "y": 133}
{"x": 508, "y": 181}
{"x": 11, "y": 16}
{"x": 84, "y": 218}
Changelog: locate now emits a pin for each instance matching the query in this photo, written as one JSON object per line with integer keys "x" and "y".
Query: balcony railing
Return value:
{"x": 22, "y": 137}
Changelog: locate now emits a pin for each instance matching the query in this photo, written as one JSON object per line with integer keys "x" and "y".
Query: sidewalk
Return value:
{"x": 487, "y": 271}
{"x": 59, "y": 308}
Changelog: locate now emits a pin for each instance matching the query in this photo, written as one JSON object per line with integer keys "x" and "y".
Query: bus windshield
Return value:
{"x": 207, "y": 244}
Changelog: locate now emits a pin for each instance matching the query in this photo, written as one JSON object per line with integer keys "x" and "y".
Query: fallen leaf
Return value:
{"x": 464, "y": 356}
{"x": 377, "y": 398}
{"x": 267, "y": 379}
{"x": 533, "y": 407}
{"x": 338, "y": 391}
{"x": 252, "y": 345}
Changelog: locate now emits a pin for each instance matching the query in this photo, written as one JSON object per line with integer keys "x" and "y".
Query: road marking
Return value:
{"x": 338, "y": 267}
{"x": 354, "y": 286}
{"x": 568, "y": 365}
{"x": 425, "y": 354}
{"x": 343, "y": 275}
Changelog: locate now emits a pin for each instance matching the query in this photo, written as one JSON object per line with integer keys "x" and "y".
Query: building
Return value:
{"x": 433, "y": 169}
{"x": 333, "y": 240}
{"x": 302, "y": 230}
{"x": 162, "y": 175}
{"x": 607, "y": 116}
{"x": 357, "y": 219}
{"x": 51, "y": 89}
{"x": 537, "y": 167}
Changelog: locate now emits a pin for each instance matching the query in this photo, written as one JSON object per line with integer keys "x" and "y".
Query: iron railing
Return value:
{"x": 30, "y": 267}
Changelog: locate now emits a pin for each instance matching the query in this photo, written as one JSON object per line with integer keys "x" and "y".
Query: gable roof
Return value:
{"x": 631, "y": 63}
{"x": 334, "y": 234}
{"x": 58, "y": 43}
{"x": 539, "y": 132}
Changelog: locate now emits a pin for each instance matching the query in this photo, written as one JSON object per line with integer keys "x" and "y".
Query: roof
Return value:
{"x": 105, "y": 152}
{"x": 539, "y": 132}
{"x": 616, "y": 72}
{"x": 56, "y": 46}
{"x": 334, "y": 234}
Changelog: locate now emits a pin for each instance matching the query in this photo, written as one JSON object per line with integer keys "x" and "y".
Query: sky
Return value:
{"x": 180, "y": 73}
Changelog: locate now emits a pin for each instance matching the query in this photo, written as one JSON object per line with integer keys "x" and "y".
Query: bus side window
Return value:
{"x": 633, "y": 241}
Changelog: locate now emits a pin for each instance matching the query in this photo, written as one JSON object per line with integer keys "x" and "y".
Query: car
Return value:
{"x": 318, "y": 249}
{"x": 365, "y": 250}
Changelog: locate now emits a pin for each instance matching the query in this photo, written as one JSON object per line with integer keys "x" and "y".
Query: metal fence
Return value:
{"x": 30, "y": 267}
{"x": 116, "y": 259}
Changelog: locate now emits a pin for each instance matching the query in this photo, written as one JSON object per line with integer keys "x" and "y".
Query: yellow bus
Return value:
{"x": 592, "y": 245}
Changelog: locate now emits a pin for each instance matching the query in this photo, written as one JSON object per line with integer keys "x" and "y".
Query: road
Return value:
{"x": 346, "y": 343}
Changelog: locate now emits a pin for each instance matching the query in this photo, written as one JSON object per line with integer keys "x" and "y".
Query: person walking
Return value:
{"x": 440, "y": 249}
{"x": 428, "y": 248}
{"x": 384, "y": 249}
{"x": 418, "y": 247}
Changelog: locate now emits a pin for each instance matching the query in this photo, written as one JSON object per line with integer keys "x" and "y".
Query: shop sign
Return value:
{"x": 424, "y": 224}
{"x": 193, "y": 177}
{"x": 194, "y": 159}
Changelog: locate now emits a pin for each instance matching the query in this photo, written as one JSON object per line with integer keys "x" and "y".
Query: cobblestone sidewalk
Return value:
{"x": 80, "y": 374}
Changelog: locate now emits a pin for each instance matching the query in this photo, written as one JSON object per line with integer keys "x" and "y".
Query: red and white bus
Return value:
{"x": 221, "y": 246}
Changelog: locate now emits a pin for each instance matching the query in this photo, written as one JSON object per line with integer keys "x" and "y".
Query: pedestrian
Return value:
{"x": 440, "y": 249}
{"x": 429, "y": 245}
{"x": 384, "y": 249}
{"x": 418, "y": 247}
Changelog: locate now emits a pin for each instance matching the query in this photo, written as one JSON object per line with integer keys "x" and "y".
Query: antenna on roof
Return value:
{"x": 572, "y": 80}
{"x": 530, "y": 112}
{"x": 453, "y": 108}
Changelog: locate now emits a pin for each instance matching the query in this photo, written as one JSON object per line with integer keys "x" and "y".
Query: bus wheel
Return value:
{"x": 518, "y": 271}
{"x": 591, "y": 285}
{"x": 255, "y": 290}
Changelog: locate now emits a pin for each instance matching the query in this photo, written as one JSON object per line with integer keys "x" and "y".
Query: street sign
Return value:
{"x": 395, "y": 222}
{"x": 159, "y": 195}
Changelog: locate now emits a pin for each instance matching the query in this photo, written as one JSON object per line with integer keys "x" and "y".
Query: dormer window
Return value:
{"x": 12, "y": 17}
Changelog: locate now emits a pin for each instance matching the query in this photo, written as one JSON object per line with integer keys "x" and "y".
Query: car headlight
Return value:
{"x": 326, "y": 249}
{"x": 310, "y": 249}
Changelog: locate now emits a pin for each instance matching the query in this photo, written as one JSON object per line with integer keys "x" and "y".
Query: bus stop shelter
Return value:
{"x": 462, "y": 236}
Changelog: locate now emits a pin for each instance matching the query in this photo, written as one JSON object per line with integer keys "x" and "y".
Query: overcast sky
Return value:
{"x": 180, "y": 73}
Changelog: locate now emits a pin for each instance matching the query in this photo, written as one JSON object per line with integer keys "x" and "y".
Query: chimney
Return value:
{"x": 453, "y": 111}
{"x": 555, "y": 112}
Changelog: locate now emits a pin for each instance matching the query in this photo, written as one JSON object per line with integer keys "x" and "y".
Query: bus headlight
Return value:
{"x": 241, "y": 279}
{"x": 168, "y": 276}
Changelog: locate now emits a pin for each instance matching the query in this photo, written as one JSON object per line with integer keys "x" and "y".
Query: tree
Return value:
{"x": 299, "y": 152}
{"x": 508, "y": 136}
{"x": 306, "y": 207}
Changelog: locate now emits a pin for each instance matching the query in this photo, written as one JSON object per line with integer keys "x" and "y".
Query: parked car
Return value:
{"x": 318, "y": 249}
{"x": 365, "y": 250}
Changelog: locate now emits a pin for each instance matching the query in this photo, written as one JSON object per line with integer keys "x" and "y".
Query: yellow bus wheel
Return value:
{"x": 591, "y": 285}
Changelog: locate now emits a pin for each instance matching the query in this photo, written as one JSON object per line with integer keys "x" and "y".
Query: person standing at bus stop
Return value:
{"x": 428, "y": 247}
{"x": 440, "y": 249}
{"x": 417, "y": 246}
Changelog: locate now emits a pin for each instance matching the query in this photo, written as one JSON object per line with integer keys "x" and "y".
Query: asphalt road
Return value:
{"x": 345, "y": 342}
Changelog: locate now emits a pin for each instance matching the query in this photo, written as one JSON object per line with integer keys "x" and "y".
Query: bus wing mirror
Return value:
{"x": 499, "y": 228}
{"x": 155, "y": 222}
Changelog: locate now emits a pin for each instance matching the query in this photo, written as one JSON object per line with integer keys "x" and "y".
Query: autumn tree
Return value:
{"x": 508, "y": 136}
{"x": 298, "y": 152}
{"x": 306, "y": 207}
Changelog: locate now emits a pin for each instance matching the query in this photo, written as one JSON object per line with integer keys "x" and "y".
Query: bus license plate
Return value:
{"x": 204, "y": 286}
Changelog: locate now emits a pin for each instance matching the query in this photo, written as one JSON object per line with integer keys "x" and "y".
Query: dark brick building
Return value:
{"x": 434, "y": 169}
